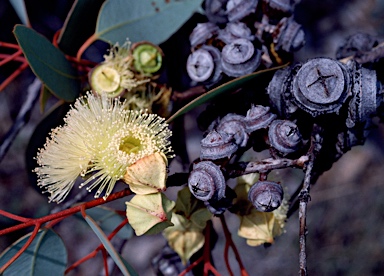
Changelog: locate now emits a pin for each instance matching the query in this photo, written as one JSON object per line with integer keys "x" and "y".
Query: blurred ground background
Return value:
{"x": 346, "y": 213}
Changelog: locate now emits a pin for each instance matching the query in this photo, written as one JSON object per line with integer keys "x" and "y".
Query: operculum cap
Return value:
{"x": 149, "y": 214}
{"x": 148, "y": 175}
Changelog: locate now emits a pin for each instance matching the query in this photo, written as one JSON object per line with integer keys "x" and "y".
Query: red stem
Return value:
{"x": 100, "y": 247}
{"x": 10, "y": 57}
{"x": 207, "y": 252}
{"x": 18, "y": 58}
{"x": 22, "y": 249}
{"x": 66, "y": 212}
{"x": 226, "y": 257}
{"x": 55, "y": 37}
{"x": 191, "y": 266}
{"x": 14, "y": 217}
{"x": 17, "y": 72}
{"x": 232, "y": 244}
{"x": 105, "y": 258}
{"x": 86, "y": 44}
{"x": 9, "y": 45}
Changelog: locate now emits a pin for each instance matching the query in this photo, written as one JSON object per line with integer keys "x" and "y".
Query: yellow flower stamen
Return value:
{"x": 100, "y": 138}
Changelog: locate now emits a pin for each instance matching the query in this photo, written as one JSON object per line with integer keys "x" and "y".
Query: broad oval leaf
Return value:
{"x": 154, "y": 20}
{"x": 224, "y": 88}
{"x": 46, "y": 255}
{"x": 79, "y": 25}
{"x": 108, "y": 220}
{"x": 48, "y": 63}
{"x": 19, "y": 7}
{"x": 125, "y": 268}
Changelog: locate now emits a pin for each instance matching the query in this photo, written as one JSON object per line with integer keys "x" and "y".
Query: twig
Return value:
{"x": 22, "y": 249}
{"x": 85, "y": 45}
{"x": 304, "y": 197}
{"x": 11, "y": 77}
{"x": 22, "y": 118}
{"x": 67, "y": 212}
{"x": 11, "y": 57}
{"x": 12, "y": 216}
{"x": 206, "y": 258}
{"x": 229, "y": 243}
{"x": 100, "y": 247}
{"x": 208, "y": 267}
{"x": 264, "y": 166}
{"x": 9, "y": 45}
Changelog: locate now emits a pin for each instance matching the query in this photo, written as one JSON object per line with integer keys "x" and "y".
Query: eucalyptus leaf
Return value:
{"x": 48, "y": 63}
{"x": 46, "y": 255}
{"x": 108, "y": 220}
{"x": 224, "y": 88}
{"x": 79, "y": 25}
{"x": 124, "y": 267}
{"x": 154, "y": 20}
{"x": 19, "y": 7}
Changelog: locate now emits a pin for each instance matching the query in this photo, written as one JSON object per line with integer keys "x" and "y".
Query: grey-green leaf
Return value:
{"x": 46, "y": 255}
{"x": 224, "y": 88}
{"x": 19, "y": 7}
{"x": 48, "y": 63}
{"x": 79, "y": 25}
{"x": 123, "y": 265}
{"x": 151, "y": 20}
{"x": 108, "y": 220}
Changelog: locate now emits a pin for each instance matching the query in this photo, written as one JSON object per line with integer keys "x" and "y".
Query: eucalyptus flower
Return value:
{"x": 100, "y": 139}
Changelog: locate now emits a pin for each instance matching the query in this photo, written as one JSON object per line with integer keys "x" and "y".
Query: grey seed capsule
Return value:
{"x": 200, "y": 65}
{"x": 284, "y": 6}
{"x": 279, "y": 92}
{"x": 284, "y": 136}
{"x": 216, "y": 56}
{"x": 364, "y": 95}
{"x": 234, "y": 126}
{"x": 288, "y": 35}
{"x": 233, "y": 31}
{"x": 206, "y": 181}
{"x": 356, "y": 45}
{"x": 202, "y": 32}
{"x": 258, "y": 117}
{"x": 321, "y": 86}
{"x": 240, "y": 58}
{"x": 215, "y": 10}
{"x": 238, "y": 9}
{"x": 217, "y": 145}
{"x": 266, "y": 196}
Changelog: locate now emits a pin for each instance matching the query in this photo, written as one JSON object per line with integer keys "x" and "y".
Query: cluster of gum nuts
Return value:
{"x": 231, "y": 134}
{"x": 239, "y": 36}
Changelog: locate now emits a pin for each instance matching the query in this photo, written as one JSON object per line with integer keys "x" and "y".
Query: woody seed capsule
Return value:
{"x": 266, "y": 196}
{"x": 321, "y": 86}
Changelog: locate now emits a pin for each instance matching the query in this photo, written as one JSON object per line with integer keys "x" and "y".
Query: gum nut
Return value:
{"x": 202, "y": 32}
{"x": 206, "y": 181}
{"x": 200, "y": 65}
{"x": 284, "y": 136}
{"x": 266, "y": 196}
